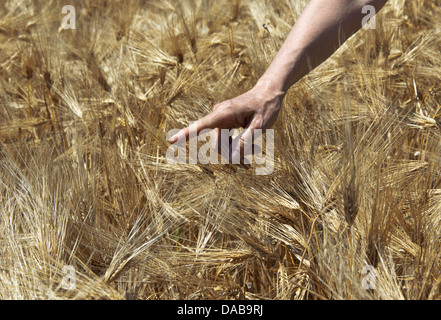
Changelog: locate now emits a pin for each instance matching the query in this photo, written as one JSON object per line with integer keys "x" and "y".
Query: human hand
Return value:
{"x": 258, "y": 108}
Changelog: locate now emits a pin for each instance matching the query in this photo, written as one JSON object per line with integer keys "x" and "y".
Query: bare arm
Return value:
{"x": 321, "y": 29}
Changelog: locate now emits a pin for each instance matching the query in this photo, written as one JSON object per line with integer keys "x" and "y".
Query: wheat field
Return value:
{"x": 87, "y": 194}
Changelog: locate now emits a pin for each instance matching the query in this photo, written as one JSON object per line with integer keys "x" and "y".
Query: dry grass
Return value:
{"x": 84, "y": 181}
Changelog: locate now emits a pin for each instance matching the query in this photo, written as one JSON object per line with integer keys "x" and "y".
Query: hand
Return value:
{"x": 255, "y": 109}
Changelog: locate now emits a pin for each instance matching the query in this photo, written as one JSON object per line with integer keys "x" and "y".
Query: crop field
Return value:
{"x": 91, "y": 208}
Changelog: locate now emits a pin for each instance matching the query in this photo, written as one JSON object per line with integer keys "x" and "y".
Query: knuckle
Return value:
{"x": 225, "y": 105}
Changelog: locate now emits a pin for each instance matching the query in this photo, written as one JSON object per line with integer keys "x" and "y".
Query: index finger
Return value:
{"x": 210, "y": 121}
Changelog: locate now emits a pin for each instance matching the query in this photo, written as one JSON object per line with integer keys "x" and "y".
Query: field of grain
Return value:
{"x": 91, "y": 209}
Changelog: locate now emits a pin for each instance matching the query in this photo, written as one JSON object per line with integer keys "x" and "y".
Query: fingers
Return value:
{"x": 235, "y": 150}
{"x": 210, "y": 121}
{"x": 242, "y": 146}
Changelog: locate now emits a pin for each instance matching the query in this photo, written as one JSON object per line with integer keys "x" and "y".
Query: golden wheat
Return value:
{"x": 85, "y": 182}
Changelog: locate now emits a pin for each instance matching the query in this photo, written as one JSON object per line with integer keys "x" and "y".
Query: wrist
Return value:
{"x": 270, "y": 87}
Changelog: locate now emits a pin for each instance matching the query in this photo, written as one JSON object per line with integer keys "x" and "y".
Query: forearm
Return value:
{"x": 321, "y": 29}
